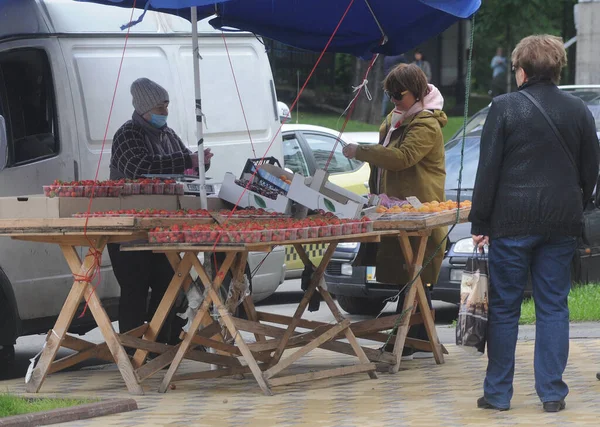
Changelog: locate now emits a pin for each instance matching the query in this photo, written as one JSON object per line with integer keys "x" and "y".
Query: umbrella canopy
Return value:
{"x": 308, "y": 24}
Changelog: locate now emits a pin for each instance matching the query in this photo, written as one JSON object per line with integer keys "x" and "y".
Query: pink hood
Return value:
{"x": 432, "y": 101}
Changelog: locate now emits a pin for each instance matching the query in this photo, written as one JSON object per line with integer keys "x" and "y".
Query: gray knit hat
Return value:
{"x": 147, "y": 95}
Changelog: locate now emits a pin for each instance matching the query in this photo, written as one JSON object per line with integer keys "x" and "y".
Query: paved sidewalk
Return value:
{"x": 422, "y": 394}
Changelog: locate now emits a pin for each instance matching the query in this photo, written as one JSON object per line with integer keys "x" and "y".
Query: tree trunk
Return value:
{"x": 365, "y": 110}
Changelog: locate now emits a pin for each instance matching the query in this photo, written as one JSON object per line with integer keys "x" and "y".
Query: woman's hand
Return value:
{"x": 207, "y": 156}
{"x": 350, "y": 151}
{"x": 481, "y": 241}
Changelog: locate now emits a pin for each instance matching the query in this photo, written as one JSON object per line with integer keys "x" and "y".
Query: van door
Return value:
{"x": 31, "y": 91}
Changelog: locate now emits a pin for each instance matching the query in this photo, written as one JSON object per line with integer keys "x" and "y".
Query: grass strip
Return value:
{"x": 11, "y": 405}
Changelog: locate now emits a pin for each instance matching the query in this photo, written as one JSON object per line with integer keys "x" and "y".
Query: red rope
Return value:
{"x": 95, "y": 268}
{"x": 351, "y": 110}
{"x": 238, "y": 92}
{"x": 291, "y": 108}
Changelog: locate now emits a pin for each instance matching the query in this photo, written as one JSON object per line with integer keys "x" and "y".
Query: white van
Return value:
{"x": 59, "y": 61}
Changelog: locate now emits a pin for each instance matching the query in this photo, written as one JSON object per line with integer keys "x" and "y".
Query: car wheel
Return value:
{"x": 358, "y": 305}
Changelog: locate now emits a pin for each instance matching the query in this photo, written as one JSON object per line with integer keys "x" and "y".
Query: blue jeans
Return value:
{"x": 511, "y": 259}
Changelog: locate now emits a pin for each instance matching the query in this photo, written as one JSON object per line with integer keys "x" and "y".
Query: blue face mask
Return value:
{"x": 158, "y": 120}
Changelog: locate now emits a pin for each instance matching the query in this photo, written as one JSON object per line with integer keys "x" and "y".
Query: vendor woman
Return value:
{"x": 142, "y": 146}
{"x": 409, "y": 161}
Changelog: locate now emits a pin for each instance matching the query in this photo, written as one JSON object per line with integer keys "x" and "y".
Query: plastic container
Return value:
{"x": 114, "y": 191}
{"x": 302, "y": 233}
{"x": 367, "y": 226}
{"x": 312, "y": 232}
{"x": 159, "y": 188}
{"x": 131, "y": 189}
{"x": 63, "y": 191}
{"x": 203, "y": 236}
{"x": 347, "y": 228}
{"x": 324, "y": 231}
{"x": 179, "y": 189}
{"x": 278, "y": 235}
{"x": 166, "y": 237}
{"x": 337, "y": 230}
{"x": 169, "y": 188}
{"x": 146, "y": 188}
{"x": 243, "y": 237}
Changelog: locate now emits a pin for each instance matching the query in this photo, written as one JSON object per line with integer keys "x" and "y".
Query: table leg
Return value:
{"x": 225, "y": 317}
{"x": 65, "y": 317}
{"x": 196, "y": 322}
{"x": 103, "y": 321}
{"x": 166, "y": 304}
{"x": 305, "y": 300}
{"x": 414, "y": 264}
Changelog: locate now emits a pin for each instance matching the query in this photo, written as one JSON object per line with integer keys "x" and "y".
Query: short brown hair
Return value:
{"x": 407, "y": 77}
{"x": 542, "y": 56}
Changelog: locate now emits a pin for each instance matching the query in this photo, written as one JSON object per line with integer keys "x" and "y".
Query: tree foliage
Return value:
{"x": 502, "y": 23}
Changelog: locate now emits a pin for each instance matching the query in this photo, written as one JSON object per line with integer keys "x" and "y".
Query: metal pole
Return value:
{"x": 198, "y": 107}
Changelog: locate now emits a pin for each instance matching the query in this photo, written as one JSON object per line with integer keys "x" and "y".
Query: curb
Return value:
{"x": 73, "y": 413}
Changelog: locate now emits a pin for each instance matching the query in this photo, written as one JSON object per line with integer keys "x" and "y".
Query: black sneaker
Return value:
{"x": 555, "y": 406}
{"x": 482, "y": 403}
{"x": 598, "y": 375}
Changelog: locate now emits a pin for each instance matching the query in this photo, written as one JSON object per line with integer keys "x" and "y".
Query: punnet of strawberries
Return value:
{"x": 183, "y": 213}
{"x": 276, "y": 230}
{"x": 112, "y": 188}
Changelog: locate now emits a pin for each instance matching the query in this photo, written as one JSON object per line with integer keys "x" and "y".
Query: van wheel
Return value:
{"x": 358, "y": 305}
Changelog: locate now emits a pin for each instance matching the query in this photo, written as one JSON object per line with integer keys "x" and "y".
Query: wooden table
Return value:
{"x": 264, "y": 359}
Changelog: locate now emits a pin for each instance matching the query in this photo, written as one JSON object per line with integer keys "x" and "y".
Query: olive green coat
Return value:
{"x": 413, "y": 164}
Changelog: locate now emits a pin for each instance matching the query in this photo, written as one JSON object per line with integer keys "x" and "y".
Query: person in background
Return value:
{"x": 409, "y": 161}
{"x": 532, "y": 184}
{"x": 499, "y": 68}
{"x": 422, "y": 64}
{"x": 145, "y": 145}
{"x": 389, "y": 62}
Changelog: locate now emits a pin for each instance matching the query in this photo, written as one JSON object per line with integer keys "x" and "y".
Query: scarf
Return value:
{"x": 432, "y": 101}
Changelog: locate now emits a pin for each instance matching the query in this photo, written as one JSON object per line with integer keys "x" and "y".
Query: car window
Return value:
{"x": 474, "y": 125}
{"x": 321, "y": 147}
{"x": 27, "y": 90}
{"x": 293, "y": 158}
{"x": 471, "y": 160}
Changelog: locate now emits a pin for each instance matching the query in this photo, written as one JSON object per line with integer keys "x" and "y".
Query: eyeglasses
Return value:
{"x": 513, "y": 68}
{"x": 397, "y": 96}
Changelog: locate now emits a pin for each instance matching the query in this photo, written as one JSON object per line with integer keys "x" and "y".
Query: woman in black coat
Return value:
{"x": 538, "y": 167}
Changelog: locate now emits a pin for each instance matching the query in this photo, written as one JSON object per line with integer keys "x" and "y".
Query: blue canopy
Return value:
{"x": 308, "y": 24}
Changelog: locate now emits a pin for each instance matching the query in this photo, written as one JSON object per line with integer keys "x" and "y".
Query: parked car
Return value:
{"x": 357, "y": 289}
{"x": 56, "y": 69}
{"x": 307, "y": 148}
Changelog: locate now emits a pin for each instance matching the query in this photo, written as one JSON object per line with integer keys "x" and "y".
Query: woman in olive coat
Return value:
{"x": 409, "y": 161}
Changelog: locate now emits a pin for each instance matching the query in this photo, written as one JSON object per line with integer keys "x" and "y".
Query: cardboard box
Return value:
{"x": 39, "y": 206}
{"x": 231, "y": 192}
{"x": 319, "y": 193}
{"x": 214, "y": 203}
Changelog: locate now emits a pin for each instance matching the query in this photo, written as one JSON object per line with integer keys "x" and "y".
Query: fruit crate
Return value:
{"x": 233, "y": 193}
{"x": 317, "y": 193}
{"x": 268, "y": 171}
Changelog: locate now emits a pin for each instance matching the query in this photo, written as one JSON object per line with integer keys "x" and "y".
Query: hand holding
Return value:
{"x": 207, "y": 156}
{"x": 481, "y": 241}
{"x": 194, "y": 157}
{"x": 350, "y": 151}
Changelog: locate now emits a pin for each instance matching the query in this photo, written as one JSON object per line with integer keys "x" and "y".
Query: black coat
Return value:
{"x": 525, "y": 182}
